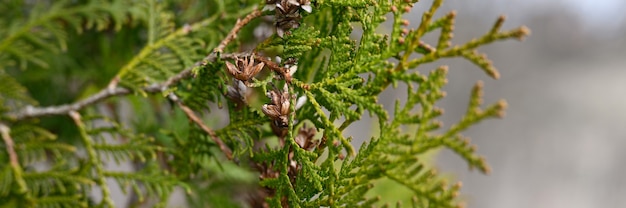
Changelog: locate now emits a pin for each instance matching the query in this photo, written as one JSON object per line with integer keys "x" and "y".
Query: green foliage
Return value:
{"x": 13, "y": 94}
{"x": 97, "y": 64}
{"x": 27, "y": 38}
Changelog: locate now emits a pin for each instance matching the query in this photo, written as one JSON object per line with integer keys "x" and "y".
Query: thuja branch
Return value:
{"x": 465, "y": 50}
{"x": 94, "y": 159}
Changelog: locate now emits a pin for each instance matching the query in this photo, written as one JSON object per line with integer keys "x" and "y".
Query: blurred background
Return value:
{"x": 562, "y": 141}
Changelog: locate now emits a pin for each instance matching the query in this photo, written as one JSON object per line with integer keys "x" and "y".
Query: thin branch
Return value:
{"x": 6, "y": 136}
{"x": 34, "y": 112}
{"x": 5, "y": 131}
{"x": 193, "y": 117}
{"x": 94, "y": 159}
{"x": 275, "y": 67}
{"x": 233, "y": 32}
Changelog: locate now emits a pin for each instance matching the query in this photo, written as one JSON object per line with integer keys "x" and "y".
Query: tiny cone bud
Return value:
{"x": 487, "y": 169}
{"x": 502, "y": 104}
{"x": 443, "y": 69}
{"x": 522, "y": 32}
{"x": 438, "y": 124}
{"x": 480, "y": 84}
{"x": 494, "y": 74}
{"x": 502, "y": 18}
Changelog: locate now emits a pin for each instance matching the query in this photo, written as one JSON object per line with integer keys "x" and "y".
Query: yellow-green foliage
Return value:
{"x": 85, "y": 84}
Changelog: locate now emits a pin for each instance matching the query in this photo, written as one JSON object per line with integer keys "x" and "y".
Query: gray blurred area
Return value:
{"x": 562, "y": 141}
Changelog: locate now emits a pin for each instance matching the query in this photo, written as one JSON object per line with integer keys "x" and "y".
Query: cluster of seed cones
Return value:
{"x": 287, "y": 13}
{"x": 305, "y": 140}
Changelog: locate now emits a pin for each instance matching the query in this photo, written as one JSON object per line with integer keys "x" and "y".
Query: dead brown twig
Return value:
{"x": 5, "y": 132}
{"x": 233, "y": 32}
{"x": 6, "y": 136}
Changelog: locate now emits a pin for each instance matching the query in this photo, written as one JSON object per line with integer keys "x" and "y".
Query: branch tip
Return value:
{"x": 523, "y": 31}
{"x": 480, "y": 84}
{"x": 452, "y": 13}
{"x": 444, "y": 69}
{"x": 501, "y": 107}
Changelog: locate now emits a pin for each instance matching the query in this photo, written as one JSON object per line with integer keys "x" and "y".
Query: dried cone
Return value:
{"x": 244, "y": 69}
{"x": 287, "y": 13}
{"x": 305, "y": 136}
{"x": 278, "y": 110}
{"x": 237, "y": 92}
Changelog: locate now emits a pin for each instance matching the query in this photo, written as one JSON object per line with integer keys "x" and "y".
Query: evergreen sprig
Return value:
{"x": 288, "y": 99}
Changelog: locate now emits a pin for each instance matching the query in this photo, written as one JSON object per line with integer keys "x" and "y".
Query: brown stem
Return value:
{"x": 5, "y": 132}
{"x": 6, "y": 136}
{"x": 275, "y": 67}
{"x": 233, "y": 33}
